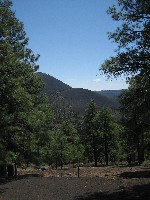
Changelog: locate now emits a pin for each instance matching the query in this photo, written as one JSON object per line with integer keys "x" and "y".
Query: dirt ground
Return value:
{"x": 94, "y": 183}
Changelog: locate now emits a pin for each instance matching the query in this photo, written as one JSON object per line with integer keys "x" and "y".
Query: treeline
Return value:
{"x": 132, "y": 60}
{"x": 97, "y": 138}
{"x": 32, "y": 131}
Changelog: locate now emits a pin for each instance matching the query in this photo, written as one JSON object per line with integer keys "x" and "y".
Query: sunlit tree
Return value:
{"x": 21, "y": 101}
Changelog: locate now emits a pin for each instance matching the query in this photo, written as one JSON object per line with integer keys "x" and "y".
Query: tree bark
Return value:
{"x": 15, "y": 168}
{"x": 95, "y": 150}
{"x": 140, "y": 148}
{"x": 106, "y": 149}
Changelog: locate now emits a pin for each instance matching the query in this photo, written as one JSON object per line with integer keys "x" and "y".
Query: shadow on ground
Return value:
{"x": 137, "y": 174}
{"x": 9, "y": 179}
{"x": 138, "y": 192}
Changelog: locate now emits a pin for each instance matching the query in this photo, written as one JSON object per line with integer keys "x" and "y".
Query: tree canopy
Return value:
{"x": 22, "y": 105}
{"x": 133, "y": 60}
{"x": 133, "y": 39}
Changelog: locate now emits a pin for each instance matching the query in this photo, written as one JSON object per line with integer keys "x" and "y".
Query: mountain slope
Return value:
{"x": 110, "y": 93}
{"x": 71, "y": 99}
{"x": 79, "y": 99}
{"x": 52, "y": 84}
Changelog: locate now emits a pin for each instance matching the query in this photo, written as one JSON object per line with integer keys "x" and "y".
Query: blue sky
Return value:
{"x": 71, "y": 38}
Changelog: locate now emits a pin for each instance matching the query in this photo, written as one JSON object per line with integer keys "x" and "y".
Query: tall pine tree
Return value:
{"x": 21, "y": 100}
{"x": 133, "y": 60}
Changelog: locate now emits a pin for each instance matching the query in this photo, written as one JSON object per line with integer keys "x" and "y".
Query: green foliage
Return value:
{"x": 135, "y": 109}
{"x": 22, "y": 105}
{"x": 101, "y": 134}
{"x": 88, "y": 136}
{"x": 63, "y": 145}
{"x": 133, "y": 60}
{"x": 132, "y": 38}
{"x": 146, "y": 163}
{"x": 72, "y": 150}
{"x": 108, "y": 132}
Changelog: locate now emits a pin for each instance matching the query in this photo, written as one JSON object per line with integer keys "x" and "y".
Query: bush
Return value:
{"x": 146, "y": 163}
{"x": 3, "y": 170}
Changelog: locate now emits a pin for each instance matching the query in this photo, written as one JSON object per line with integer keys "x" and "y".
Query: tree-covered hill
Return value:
{"x": 72, "y": 99}
{"x": 52, "y": 84}
{"x": 110, "y": 93}
{"x": 113, "y": 95}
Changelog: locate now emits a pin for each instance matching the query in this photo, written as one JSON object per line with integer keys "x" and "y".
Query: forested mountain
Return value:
{"x": 72, "y": 99}
{"x": 110, "y": 93}
{"x": 52, "y": 84}
{"x": 113, "y": 95}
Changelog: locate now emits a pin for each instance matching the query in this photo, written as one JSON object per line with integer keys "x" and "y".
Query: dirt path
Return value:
{"x": 95, "y": 183}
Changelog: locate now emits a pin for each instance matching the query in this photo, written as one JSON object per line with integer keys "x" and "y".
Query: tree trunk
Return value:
{"x": 56, "y": 161}
{"x": 61, "y": 162}
{"x": 88, "y": 155}
{"x": 15, "y": 168}
{"x": 95, "y": 150}
{"x": 106, "y": 149}
{"x": 140, "y": 149}
{"x": 56, "y": 164}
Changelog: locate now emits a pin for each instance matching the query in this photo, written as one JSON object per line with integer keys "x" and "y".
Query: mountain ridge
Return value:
{"x": 76, "y": 100}
{"x": 110, "y": 93}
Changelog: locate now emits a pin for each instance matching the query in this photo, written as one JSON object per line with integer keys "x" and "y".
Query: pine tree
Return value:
{"x": 21, "y": 100}
{"x": 135, "y": 108}
{"x": 108, "y": 131}
{"x": 89, "y": 133}
{"x": 132, "y": 37}
{"x": 133, "y": 60}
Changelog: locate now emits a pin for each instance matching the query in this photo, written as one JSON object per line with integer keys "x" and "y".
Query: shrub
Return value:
{"x": 146, "y": 163}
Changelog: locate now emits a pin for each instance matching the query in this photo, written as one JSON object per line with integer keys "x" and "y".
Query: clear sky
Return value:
{"x": 71, "y": 38}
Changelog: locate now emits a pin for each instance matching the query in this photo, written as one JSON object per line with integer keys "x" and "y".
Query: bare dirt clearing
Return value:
{"x": 101, "y": 183}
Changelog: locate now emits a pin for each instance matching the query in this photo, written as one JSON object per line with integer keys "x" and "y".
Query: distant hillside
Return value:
{"x": 79, "y": 98}
{"x": 110, "y": 93}
{"x": 52, "y": 84}
{"x": 72, "y": 99}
